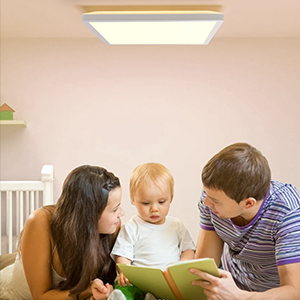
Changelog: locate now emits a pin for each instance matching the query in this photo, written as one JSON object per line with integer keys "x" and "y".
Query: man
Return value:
{"x": 251, "y": 225}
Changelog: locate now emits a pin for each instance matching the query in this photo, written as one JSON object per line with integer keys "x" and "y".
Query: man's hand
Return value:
{"x": 217, "y": 288}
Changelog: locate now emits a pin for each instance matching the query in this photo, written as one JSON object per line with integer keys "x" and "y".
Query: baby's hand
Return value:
{"x": 123, "y": 280}
{"x": 99, "y": 290}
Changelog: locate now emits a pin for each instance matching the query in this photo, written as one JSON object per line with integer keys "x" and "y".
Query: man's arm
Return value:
{"x": 224, "y": 288}
{"x": 209, "y": 245}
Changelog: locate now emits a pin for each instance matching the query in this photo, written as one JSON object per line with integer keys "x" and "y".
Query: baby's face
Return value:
{"x": 153, "y": 202}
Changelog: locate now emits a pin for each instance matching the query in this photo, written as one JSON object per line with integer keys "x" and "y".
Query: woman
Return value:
{"x": 64, "y": 250}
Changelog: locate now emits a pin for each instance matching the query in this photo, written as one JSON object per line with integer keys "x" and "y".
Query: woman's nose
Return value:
{"x": 122, "y": 213}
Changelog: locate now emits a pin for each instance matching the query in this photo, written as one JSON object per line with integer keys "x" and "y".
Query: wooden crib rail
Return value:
{"x": 18, "y": 200}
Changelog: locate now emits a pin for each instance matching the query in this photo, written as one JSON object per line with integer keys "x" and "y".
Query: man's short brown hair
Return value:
{"x": 240, "y": 171}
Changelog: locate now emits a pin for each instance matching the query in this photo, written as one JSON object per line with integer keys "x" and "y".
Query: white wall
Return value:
{"x": 120, "y": 106}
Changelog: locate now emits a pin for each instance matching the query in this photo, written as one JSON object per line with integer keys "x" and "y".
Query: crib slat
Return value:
{"x": 31, "y": 201}
{"x": 9, "y": 219}
{"x": 17, "y": 208}
{"x": 21, "y": 204}
{"x": 37, "y": 199}
{"x": 1, "y": 224}
{"x": 27, "y": 208}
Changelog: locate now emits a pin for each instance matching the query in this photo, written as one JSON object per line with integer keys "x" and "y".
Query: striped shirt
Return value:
{"x": 253, "y": 252}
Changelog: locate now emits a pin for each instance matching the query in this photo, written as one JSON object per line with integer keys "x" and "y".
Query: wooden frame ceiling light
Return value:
{"x": 154, "y": 26}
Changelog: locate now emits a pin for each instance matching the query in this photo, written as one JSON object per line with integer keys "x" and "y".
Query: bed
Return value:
{"x": 18, "y": 199}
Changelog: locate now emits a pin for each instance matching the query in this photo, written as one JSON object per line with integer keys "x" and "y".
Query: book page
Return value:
{"x": 148, "y": 280}
{"x": 183, "y": 278}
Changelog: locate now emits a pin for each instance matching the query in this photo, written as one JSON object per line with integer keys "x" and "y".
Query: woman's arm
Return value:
{"x": 36, "y": 251}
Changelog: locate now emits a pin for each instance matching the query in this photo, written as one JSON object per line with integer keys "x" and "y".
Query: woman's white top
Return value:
{"x": 13, "y": 284}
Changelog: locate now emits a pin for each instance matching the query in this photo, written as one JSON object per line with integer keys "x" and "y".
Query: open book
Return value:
{"x": 173, "y": 282}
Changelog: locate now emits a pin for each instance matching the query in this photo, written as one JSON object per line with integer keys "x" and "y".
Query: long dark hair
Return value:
{"x": 83, "y": 252}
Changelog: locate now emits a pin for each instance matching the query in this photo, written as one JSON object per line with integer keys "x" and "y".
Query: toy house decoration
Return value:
{"x": 7, "y": 117}
{"x": 6, "y": 112}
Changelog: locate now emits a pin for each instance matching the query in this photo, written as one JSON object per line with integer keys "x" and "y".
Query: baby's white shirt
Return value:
{"x": 151, "y": 245}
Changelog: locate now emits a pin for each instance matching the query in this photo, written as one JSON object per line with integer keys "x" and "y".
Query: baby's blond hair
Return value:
{"x": 150, "y": 172}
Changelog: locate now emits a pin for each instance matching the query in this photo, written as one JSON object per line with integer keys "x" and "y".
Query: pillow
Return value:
{"x": 7, "y": 259}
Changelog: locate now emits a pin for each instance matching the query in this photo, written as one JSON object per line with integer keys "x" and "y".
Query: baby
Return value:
{"x": 151, "y": 238}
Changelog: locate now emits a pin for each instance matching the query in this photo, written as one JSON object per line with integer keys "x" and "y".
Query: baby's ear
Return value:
{"x": 132, "y": 201}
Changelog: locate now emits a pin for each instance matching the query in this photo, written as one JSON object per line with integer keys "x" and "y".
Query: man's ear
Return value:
{"x": 250, "y": 202}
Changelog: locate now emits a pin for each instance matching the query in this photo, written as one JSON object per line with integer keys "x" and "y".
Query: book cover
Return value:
{"x": 173, "y": 282}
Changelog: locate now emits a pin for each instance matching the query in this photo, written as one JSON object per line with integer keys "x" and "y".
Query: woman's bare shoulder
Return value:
{"x": 37, "y": 229}
{"x": 40, "y": 217}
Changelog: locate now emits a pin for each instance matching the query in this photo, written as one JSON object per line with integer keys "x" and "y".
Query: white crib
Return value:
{"x": 18, "y": 200}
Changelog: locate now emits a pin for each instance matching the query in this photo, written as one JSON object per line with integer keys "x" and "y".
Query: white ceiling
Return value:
{"x": 62, "y": 18}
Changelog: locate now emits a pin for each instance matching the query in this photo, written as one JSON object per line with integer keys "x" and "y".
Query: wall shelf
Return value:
{"x": 13, "y": 122}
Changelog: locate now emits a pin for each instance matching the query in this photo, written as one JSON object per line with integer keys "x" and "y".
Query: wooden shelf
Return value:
{"x": 13, "y": 122}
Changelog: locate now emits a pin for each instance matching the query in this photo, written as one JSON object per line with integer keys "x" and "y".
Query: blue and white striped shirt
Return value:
{"x": 253, "y": 252}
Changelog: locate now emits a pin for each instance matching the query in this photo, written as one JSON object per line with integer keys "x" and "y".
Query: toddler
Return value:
{"x": 151, "y": 238}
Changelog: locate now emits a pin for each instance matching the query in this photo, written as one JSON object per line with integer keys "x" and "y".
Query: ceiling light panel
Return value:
{"x": 154, "y": 28}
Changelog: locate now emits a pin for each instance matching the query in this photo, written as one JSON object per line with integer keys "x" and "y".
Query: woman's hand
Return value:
{"x": 123, "y": 280}
{"x": 99, "y": 290}
{"x": 218, "y": 288}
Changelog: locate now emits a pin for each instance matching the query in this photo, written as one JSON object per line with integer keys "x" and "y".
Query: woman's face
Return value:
{"x": 110, "y": 218}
